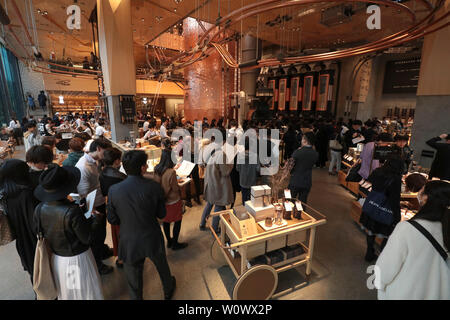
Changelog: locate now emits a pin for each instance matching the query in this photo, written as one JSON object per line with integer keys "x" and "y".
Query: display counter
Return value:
{"x": 348, "y": 161}
{"x": 153, "y": 152}
{"x": 257, "y": 257}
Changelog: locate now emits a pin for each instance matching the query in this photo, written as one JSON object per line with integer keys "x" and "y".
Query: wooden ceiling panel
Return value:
{"x": 151, "y": 18}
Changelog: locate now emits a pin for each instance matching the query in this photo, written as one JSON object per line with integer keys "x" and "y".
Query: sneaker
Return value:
{"x": 202, "y": 228}
{"x": 179, "y": 245}
{"x": 169, "y": 295}
{"x": 104, "y": 269}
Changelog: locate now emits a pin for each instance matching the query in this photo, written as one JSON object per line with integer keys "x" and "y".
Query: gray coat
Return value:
{"x": 218, "y": 189}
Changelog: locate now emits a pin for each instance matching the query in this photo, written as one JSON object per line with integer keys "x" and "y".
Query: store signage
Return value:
{"x": 402, "y": 76}
{"x": 74, "y": 19}
{"x": 307, "y": 93}
{"x": 322, "y": 97}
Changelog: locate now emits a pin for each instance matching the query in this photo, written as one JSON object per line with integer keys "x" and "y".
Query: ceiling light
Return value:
{"x": 178, "y": 1}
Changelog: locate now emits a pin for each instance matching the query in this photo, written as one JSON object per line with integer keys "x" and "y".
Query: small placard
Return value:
{"x": 287, "y": 194}
{"x": 299, "y": 206}
{"x": 358, "y": 140}
{"x": 288, "y": 206}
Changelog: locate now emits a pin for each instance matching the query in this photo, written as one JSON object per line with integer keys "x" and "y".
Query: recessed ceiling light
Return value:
{"x": 142, "y": 19}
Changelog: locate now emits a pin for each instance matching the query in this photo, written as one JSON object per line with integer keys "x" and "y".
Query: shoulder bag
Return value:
{"x": 377, "y": 207}
{"x": 428, "y": 235}
{"x": 335, "y": 144}
{"x": 43, "y": 281}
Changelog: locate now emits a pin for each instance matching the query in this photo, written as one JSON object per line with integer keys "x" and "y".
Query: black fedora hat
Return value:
{"x": 57, "y": 182}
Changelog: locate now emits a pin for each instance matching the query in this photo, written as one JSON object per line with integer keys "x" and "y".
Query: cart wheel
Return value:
{"x": 257, "y": 283}
{"x": 217, "y": 254}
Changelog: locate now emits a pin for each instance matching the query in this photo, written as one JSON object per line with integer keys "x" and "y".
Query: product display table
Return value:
{"x": 257, "y": 259}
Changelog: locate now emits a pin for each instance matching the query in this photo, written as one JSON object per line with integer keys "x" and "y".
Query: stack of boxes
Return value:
{"x": 259, "y": 205}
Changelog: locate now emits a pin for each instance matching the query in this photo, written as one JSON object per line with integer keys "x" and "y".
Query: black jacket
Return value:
{"x": 301, "y": 175}
{"x": 390, "y": 185}
{"x": 108, "y": 177}
{"x": 19, "y": 205}
{"x": 135, "y": 204}
{"x": 65, "y": 227}
{"x": 441, "y": 164}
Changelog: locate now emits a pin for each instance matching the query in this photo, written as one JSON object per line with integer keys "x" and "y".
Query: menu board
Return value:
{"x": 402, "y": 76}
{"x": 127, "y": 109}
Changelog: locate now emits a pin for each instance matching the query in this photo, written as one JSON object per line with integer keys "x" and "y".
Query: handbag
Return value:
{"x": 377, "y": 207}
{"x": 335, "y": 144}
{"x": 43, "y": 281}
{"x": 353, "y": 175}
{"x": 6, "y": 232}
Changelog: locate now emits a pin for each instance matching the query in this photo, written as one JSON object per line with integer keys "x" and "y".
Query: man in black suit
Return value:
{"x": 136, "y": 204}
{"x": 441, "y": 164}
{"x": 301, "y": 175}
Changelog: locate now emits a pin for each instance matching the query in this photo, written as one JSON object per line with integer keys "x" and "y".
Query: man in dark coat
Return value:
{"x": 136, "y": 204}
{"x": 353, "y": 133}
{"x": 42, "y": 100}
{"x": 441, "y": 164}
{"x": 301, "y": 175}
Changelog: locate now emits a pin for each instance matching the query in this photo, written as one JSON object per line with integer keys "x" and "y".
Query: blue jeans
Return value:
{"x": 245, "y": 195}
{"x": 207, "y": 211}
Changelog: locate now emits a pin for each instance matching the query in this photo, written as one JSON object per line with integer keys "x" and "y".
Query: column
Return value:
{"x": 432, "y": 115}
{"x": 117, "y": 58}
{"x": 249, "y": 77}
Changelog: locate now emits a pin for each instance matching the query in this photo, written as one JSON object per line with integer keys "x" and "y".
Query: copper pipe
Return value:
{"x": 73, "y": 68}
{"x": 67, "y": 72}
{"x": 296, "y": 2}
{"x": 64, "y": 75}
{"x": 353, "y": 51}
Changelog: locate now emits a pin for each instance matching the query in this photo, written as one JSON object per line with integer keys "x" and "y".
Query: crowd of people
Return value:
{"x": 143, "y": 209}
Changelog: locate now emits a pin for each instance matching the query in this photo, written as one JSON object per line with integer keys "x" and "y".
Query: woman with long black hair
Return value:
{"x": 414, "y": 265}
{"x": 16, "y": 196}
{"x": 385, "y": 180}
{"x": 167, "y": 177}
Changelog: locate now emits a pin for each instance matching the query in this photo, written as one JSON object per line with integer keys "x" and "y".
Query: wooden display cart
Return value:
{"x": 259, "y": 281}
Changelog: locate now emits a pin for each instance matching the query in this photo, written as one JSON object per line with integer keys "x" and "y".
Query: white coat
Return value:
{"x": 410, "y": 268}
